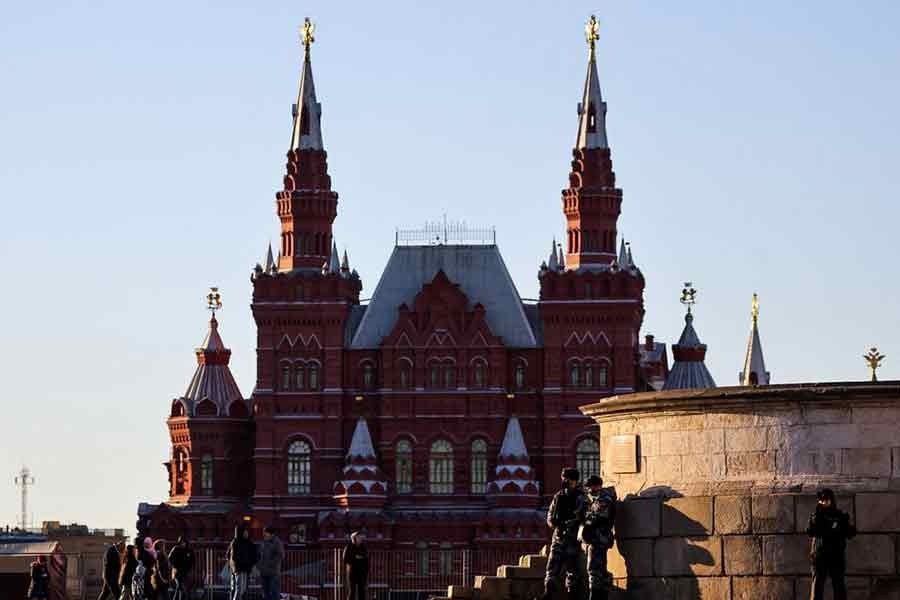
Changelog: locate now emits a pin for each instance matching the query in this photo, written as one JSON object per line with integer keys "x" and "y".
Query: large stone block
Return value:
{"x": 703, "y": 467}
{"x": 762, "y": 588}
{"x": 817, "y": 416}
{"x": 742, "y": 555}
{"x": 871, "y": 554}
{"x": 517, "y": 572}
{"x": 786, "y": 554}
{"x": 638, "y": 517}
{"x": 866, "y": 462}
{"x": 732, "y": 514}
{"x": 675, "y": 443}
{"x": 652, "y": 588}
{"x": 751, "y": 439}
{"x": 492, "y": 588}
{"x": 877, "y": 415}
{"x": 858, "y": 588}
{"x": 631, "y": 558}
{"x": 704, "y": 588}
{"x": 756, "y": 464}
{"x": 773, "y": 514}
{"x": 701, "y": 556}
{"x": 878, "y": 513}
{"x": 535, "y": 561}
{"x": 665, "y": 469}
{"x": 692, "y": 516}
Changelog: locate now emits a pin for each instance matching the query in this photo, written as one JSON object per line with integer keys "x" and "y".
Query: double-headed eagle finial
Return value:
{"x": 688, "y": 295}
{"x": 591, "y": 33}
{"x": 306, "y": 36}
{"x": 873, "y": 358}
{"x": 213, "y": 300}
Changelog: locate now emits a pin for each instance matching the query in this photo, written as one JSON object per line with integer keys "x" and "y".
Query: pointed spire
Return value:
{"x": 361, "y": 484}
{"x": 345, "y": 263}
{"x": 754, "y": 371}
{"x": 334, "y": 263}
{"x": 592, "y": 109}
{"x": 553, "y": 261}
{"x": 361, "y": 443}
{"x": 270, "y": 262}
{"x": 306, "y": 133}
{"x": 623, "y": 255}
{"x": 514, "y": 484}
{"x": 561, "y": 261}
{"x": 628, "y": 256}
{"x": 513, "y": 442}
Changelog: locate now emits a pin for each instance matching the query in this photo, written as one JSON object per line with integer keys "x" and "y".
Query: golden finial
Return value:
{"x": 306, "y": 36}
{"x": 754, "y": 309}
{"x": 873, "y": 358}
{"x": 213, "y": 300}
{"x": 591, "y": 30}
{"x": 688, "y": 295}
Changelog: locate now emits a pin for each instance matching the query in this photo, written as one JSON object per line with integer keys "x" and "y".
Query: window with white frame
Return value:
{"x": 299, "y": 465}
{"x": 479, "y": 467}
{"x": 403, "y": 457}
{"x": 587, "y": 458}
{"x": 440, "y": 476}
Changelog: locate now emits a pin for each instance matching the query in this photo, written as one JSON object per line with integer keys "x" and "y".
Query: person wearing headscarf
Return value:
{"x": 242, "y": 556}
{"x": 40, "y": 579}
{"x": 829, "y": 529}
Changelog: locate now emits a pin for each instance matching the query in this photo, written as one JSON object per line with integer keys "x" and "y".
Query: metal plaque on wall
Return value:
{"x": 623, "y": 451}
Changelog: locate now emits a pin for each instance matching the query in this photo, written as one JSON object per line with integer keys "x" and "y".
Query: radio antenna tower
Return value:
{"x": 24, "y": 480}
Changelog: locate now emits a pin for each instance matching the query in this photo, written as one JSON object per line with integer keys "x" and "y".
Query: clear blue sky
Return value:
{"x": 757, "y": 145}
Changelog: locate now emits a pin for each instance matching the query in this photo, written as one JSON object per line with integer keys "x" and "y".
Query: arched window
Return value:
{"x": 520, "y": 376}
{"x": 587, "y": 458}
{"x": 441, "y": 468}
{"x": 479, "y": 379}
{"x": 368, "y": 376}
{"x": 574, "y": 374}
{"x": 449, "y": 376}
{"x": 405, "y": 374}
{"x": 602, "y": 376}
{"x": 298, "y": 463}
{"x": 404, "y": 467}
{"x": 300, "y": 377}
{"x": 479, "y": 467}
{"x": 314, "y": 377}
{"x": 435, "y": 378}
{"x": 206, "y": 475}
{"x": 588, "y": 375}
{"x": 285, "y": 377}
{"x": 181, "y": 470}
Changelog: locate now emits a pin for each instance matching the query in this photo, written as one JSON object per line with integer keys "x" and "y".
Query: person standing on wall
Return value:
{"x": 181, "y": 558}
{"x": 596, "y": 533}
{"x": 271, "y": 554}
{"x": 564, "y": 517}
{"x": 829, "y": 529}
{"x": 242, "y": 557}
{"x": 356, "y": 563}
{"x": 112, "y": 564}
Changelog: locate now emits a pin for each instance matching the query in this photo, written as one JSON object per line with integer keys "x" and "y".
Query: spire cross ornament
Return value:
{"x": 213, "y": 300}
{"x": 306, "y": 36}
{"x": 873, "y": 358}
{"x": 754, "y": 309}
{"x": 591, "y": 33}
{"x": 688, "y": 296}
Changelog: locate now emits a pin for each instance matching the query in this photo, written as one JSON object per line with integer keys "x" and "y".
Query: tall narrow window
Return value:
{"x": 589, "y": 375}
{"x": 588, "y": 290}
{"x": 479, "y": 467}
{"x": 368, "y": 376}
{"x": 449, "y": 377}
{"x": 478, "y": 376}
{"x": 435, "y": 375}
{"x": 206, "y": 475}
{"x": 285, "y": 377}
{"x": 299, "y": 480}
{"x": 602, "y": 376}
{"x": 441, "y": 468}
{"x": 404, "y": 475}
{"x": 300, "y": 377}
{"x": 574, "y": 374}
{"x": 520, "y": 376}
{"x": 404, "y": 376}
{"x": 314, "y": 377}
{"x": 587, "y": 458}
{"x": 422, "y": 559}
{"x": 446, "y": 558}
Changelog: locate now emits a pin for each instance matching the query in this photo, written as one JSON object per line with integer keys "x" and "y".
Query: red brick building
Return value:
{"x": 440, "y": 412}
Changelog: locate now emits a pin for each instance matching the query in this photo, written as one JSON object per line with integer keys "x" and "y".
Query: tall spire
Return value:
{"x": 754, "y": 372}
{"x": 307, "y": 130}
{"x": 592, "y": 109}
{"x": 361, "y": 484}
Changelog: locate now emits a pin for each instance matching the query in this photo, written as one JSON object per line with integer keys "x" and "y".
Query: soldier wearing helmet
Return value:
{"x": 564, "y": 517}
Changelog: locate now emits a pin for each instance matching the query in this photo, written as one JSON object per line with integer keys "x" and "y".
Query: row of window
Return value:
{"x": 300, "y": 377}
{"x": 588, "y": 375}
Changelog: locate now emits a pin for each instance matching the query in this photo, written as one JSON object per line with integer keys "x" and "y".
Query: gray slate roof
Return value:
{"x": 689, "y": 374}
{"x": 478, "y": 270}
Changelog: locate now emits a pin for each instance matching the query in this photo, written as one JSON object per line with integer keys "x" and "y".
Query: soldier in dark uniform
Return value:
{"x": 564, "y": 515}
{"x": 596, "y": 533}
{"x": 829, "y": 529}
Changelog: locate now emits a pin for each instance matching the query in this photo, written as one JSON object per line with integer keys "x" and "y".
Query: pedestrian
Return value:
{"x": 829, "y": 529}
{"x": 141, "y": 584}
{"x": 596, "y": 533}
{"x": 563, "y": 517}
{"x": 129, "y": 564}
{"x": 181, "y": 558}
{"x": 242, "y": 557}
{"x": 40, "y": 579}
{"x": 112, "y": 564}
{"x": 162, "y": 572}
{"x": 271, "y": 554}
{"x": 356, "y": 564}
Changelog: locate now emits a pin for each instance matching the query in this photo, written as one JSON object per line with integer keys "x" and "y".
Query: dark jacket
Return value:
{"x": 127, "y": 572}
{"x": 242, "y": 554}
{"x": 112, "y": 564}
{"x": 40, "y": 581}
{"x": 830, "y": 529}
{"x": 565, "y": 512}
{"x": 271, "y": 553}
{"x": 599, "y": 518}
{"x": 356, "y": 561}
{"x": 149, "y": 563}
{"x": 162, "y": 573}
{"x": 182, "y": 560}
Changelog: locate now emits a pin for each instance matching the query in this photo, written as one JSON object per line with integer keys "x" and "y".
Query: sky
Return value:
{"x": 142, "y": 144}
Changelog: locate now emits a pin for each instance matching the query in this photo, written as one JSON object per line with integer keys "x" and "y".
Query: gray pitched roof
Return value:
{"x": 478, "y": 270}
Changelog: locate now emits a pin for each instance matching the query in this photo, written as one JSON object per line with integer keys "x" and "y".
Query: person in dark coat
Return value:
{"x": 112, "y": 565}
{"x": 40, "y": 579}
{"x": 271, "y": 554}
{"x": 564, "y": 516}
{"x": 596, "y": 533}
{"x": 141, "y": 581}
{"x": 829, "y": 529}
{"x": 242, "y": 556}
{"x": 356, "y": 564}
{"x": 129, "y": 564}
{"x": 181, "y": 558}
{"x": 162, "y": 572}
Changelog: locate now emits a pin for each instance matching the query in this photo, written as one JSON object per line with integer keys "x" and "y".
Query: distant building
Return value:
{"x": 84, "y": 548}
